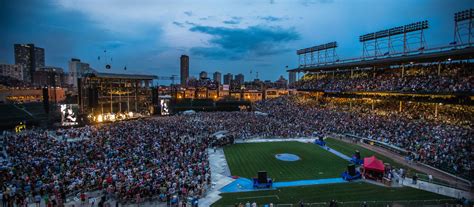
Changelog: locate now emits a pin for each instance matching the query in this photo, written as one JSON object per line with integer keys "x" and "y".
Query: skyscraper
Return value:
{"x": 76, "y": 70}
{"x": 184, "y": 69}
{"x": 30, "y": 58}
{"x": 217, "y": 76}
{"x": 228, "y": 78}
{"x": 239, "y": 79}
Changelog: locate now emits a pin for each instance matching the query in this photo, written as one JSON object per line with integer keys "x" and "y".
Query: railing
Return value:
{"x": 390, "y": 147}
{"x": 398, "y": 54}
{"x": 400, "y": 203}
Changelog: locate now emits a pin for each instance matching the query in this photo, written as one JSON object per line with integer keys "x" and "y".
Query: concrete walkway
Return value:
{"x": 337, "y": 153}
{"x": 220, "y": 176}
{"x": 439, "y": 189}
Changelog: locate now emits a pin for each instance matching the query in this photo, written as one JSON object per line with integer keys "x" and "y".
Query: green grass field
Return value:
{"x": 357, "y": 191}
{"x": 247, "y": 159}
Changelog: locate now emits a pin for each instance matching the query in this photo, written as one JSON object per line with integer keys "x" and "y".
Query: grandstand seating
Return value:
{"x": 450, "y": 78}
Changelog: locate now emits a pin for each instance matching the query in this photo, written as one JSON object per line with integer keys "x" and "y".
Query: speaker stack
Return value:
{"x": 351, "y": 169}
{"x": 46, "y": 100}
{"x": 262, "y": 176}
{"x": 93, "y": 97}
{"x": 357, "y": 154}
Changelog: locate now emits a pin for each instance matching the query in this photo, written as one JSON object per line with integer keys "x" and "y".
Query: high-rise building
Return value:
{"x": 228, "y": 78}
{"x": 239, "y": 79}
{"x": 30, "y": 58}
{"x": 184, "y": 69}
{"x": 49, "y": 76}
{"x": 13, "y": 71}
{"x": 39, "y": 57}
{"x": 217, "y": 76}
{"x": 203, "y": 75}
{"x": 76, "y": 70}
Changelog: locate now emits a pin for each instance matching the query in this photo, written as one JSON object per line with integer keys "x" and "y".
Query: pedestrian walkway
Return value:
{"x": 439, "y": 189}
{"x": 337, "y": 153}
{"x": 220, "y": 176}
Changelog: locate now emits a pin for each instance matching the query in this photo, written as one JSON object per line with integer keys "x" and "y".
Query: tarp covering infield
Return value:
{"x": 287, "y": 157}
{"x": 246, "y": 185}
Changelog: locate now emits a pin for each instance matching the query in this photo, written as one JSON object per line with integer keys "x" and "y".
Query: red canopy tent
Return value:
{"x": 372, "y": 164}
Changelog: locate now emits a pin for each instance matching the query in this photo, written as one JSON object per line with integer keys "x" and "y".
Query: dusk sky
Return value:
{"x": 238, "y": 36}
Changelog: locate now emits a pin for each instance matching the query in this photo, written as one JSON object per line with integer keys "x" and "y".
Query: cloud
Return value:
{"x": 271, "y": 18}
{"x": 231, "y": 22}
{"x": 115, "y": 44}
{"x": 188, "y": 13}
{"x": 236, "y": 43}
{"x": 178, "y": 24}
{"x": 309, "y": 2}
{"x": 215, "y": 53}
{"x": 190, "y": 23}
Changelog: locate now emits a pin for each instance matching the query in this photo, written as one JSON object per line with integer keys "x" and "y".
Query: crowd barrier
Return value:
{"x": 390, "y": 147}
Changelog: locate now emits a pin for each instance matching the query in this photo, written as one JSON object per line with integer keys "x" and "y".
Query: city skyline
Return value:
{"x": 239, "y": 37}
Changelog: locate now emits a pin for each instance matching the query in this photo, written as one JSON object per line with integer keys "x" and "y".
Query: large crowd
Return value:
{"x": 445, "y": 145}
{"x": 131, "y": 161}
{"x": 454, "y": 77}
{"x": 166, "y": 157}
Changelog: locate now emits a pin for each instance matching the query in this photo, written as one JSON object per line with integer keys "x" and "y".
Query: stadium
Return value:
{"x": 393, "y": 127}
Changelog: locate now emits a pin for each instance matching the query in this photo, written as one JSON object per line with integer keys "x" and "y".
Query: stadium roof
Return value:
{"x": 122, "y": 76}
{"x": 433, "y": 55}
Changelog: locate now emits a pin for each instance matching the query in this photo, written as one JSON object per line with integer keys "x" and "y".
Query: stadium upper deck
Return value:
{"x": 441, "y": 54}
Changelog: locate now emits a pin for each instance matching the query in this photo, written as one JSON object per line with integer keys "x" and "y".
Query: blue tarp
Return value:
{"x": 246, "y": 185}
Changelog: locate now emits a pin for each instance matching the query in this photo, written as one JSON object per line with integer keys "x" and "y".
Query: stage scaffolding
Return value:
{"x": 109, "y": 93}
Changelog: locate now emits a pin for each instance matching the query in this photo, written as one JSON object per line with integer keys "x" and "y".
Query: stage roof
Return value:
{"x": 122, "y": 76}
{"x": 432, "y": 55}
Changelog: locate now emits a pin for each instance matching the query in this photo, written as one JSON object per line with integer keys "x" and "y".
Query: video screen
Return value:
{"x": 164, "y": 105}
{"x": 69, "y": 114}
